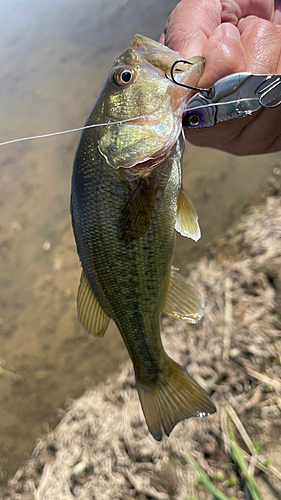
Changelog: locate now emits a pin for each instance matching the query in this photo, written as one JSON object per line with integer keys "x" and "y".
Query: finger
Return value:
{"x": 266, "y": 126}
{"x": 191, "y": 24}
{"x": 277, "y": 18}
{"x": 162, "y": 39}
{"x": 222, "y": 136}
{"x": 234, "y": 10}
{"x": 236, "y": 136}
{"x": 223, "y": 53}
{"x": 261, "y": 40}
{"x": 277, "y": 13}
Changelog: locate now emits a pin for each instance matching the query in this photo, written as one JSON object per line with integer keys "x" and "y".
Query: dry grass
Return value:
{"x": 102, "y": 450}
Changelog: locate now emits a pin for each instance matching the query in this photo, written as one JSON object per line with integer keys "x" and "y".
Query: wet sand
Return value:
{"x": 54, "y": 60}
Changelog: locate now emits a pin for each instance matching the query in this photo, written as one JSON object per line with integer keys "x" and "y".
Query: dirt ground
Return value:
{"x": 101, "y": 448}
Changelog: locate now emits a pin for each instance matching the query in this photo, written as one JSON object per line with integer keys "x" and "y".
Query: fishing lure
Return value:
{"x": 235, "y": 96}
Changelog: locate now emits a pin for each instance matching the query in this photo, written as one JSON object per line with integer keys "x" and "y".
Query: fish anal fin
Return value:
{"x": 175, "y": 397}
{"x": 136, "y": 216}
{"x": 187, "y": 218}
{"x": 90, "y": 313}
{"x": 182, "y": 300}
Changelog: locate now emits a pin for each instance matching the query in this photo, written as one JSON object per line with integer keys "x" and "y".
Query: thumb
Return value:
{"x": 224, "y": 54}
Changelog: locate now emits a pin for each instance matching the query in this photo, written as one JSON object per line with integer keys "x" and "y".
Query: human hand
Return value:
{"x": 233, "y": 36}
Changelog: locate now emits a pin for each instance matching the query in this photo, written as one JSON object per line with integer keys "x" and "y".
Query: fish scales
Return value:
{"x": 140, "y": 272}
{"x": 125, "y": 197}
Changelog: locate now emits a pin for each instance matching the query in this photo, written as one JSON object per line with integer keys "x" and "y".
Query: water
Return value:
{"x": 54, "y": 58}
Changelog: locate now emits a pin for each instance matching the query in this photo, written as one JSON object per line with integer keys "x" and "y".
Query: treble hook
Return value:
{"x": 204, "y": 92}
{"x": 265, "y": 91}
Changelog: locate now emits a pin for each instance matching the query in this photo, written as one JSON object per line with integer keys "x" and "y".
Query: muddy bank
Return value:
{"x": 101, "y": 449}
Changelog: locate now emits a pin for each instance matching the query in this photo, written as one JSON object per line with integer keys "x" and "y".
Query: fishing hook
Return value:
{"x": 171, "y": 77}
{"x": 266, "y": 91}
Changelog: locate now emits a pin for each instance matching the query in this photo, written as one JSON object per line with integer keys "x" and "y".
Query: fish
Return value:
{"x": 126, "y": 203}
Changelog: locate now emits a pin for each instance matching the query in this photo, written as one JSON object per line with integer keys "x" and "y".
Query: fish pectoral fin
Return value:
{"x": 183, "y": 301}
{"x": 187, "y": 218}
{"x": 136, "y": 216}
{"x": 174, "y": 397}
{"x": 90, "y": 313}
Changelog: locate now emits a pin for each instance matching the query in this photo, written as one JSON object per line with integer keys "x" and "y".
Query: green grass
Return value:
{"x": 237, "y": 457}
{"x": 204, "y": 479}
{"x": 8, "y": 374}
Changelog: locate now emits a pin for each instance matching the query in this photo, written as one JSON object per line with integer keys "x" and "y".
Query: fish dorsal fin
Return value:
{"x": 183, "y": 301}
{"x": 187, "y": 218}
{"x": 136, "y": 216}
{"x": 90, "y": 313}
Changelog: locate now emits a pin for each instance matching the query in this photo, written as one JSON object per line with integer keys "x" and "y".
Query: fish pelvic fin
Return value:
{"x": 187, "y": 218}
{"x": 182, "y": 300}
{"x": 136, "y": 216}
{"x": 90, "y": 313}
{"x": 174, "y": 397}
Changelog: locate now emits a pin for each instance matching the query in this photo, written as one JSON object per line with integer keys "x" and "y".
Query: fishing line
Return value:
{"x": 212, "y": 104}
{"x": 71, "y": 130}
{"x": 52, "y": 134}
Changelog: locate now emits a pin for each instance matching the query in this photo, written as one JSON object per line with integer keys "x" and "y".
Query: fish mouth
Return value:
{"x": 163, "y": 57}
{"x": 152, "y": 162}
{"x": 154, "y": 52}
{"x": 155, "y": 161}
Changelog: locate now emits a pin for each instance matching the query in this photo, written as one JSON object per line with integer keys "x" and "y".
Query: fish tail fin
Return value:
{"x": 172, "y": 398}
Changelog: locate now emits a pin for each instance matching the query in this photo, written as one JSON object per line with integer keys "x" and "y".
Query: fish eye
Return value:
{"x": 123, "y": 76}
{"x": 193, "y": 120}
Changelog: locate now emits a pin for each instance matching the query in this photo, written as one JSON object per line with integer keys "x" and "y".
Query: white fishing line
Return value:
{"x": 71, "y": 130}
{"x": 44, "y": 135}
{"x": 212, "y": 104}
{"x": 52, "y": 134}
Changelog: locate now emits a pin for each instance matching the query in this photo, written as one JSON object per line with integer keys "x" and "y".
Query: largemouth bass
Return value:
{"x": 126, "y": 201}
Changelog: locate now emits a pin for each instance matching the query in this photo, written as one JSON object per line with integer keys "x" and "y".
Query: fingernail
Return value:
{"x": 229, "y": 30}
